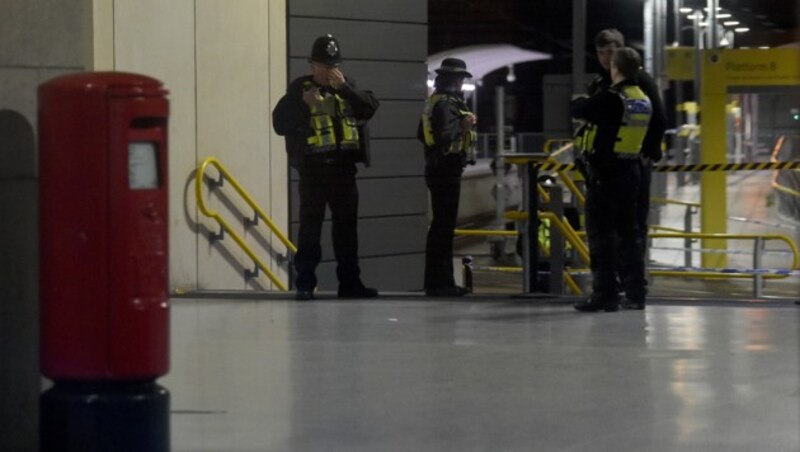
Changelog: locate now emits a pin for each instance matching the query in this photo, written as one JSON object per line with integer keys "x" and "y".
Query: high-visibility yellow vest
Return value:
{"x": 468, "y": 139}
{"x": 635, "y": 119}
{"x": 324, "y": 114}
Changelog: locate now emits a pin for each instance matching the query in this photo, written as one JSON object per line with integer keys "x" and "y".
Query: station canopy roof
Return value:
{"x": 483, "y": 59}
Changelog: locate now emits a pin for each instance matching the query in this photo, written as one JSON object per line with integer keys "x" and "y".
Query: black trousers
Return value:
{"x": 331, "y": 182}
{"x": 444, "y": 183}
{"x": 615, "y": 239}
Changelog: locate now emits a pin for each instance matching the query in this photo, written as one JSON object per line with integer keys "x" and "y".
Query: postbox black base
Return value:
{"x": 89, "y": 417}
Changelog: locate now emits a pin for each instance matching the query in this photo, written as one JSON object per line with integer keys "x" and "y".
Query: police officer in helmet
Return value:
{"x": 447, "y": 129}
{"x": 617, "y": 120}
{"x": 323, "y": 117}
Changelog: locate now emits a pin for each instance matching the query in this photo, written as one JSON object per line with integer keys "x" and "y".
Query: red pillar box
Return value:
{"x": 103, "y": 227}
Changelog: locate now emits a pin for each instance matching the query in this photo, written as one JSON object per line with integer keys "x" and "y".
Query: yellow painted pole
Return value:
{"x": 713, "y": 184}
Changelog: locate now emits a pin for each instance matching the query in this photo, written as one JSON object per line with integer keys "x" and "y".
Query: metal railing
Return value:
{"x": 757, "y": 272}
{"x": 692, "y": 208}
{"x": 567, "y": 231}
{"x": 564, "y": 145}
{"x": 259, "y": 213}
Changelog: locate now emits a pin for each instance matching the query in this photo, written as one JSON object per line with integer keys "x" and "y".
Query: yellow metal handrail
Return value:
{"x": 543, "y": 246}
{"x": 656, "y": 227}
{"x": 485, "y": 233}
{"x": 227, "y": 228}
{"x": 567, "y": 144}
{"x": 569, "y": 233}
{"x": 675, "y": 201}
{"x": 564, "y": 227}
{"x": 565, "y": 177}
{"x": 699, "y": 235}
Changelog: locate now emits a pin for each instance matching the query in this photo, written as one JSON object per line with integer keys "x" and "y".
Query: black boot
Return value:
{"x": 627, "y": 303}
{"x": 304, "y": 294}
{"x": 592, "y": 304}
{"x": 357, "y": 291}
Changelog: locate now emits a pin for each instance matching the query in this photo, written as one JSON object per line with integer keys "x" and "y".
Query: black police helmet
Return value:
{"x": 453, "y": 66}
{"x": 326, "y": 50}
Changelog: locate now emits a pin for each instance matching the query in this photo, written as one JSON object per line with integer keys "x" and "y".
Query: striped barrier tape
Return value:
{"x": 757, "y": 166}
{"x": 749, "y": 271}
{"x": 711, "y": 250}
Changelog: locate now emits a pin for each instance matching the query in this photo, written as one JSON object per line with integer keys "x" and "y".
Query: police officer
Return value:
{"x": 447, "y": 128}
{"x": 605, "y": 42}
{"x": 323, "y": 117}
{"x": 617, "y": 122}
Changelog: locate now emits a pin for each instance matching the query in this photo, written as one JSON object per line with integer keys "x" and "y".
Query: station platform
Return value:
{"x": 706, "y": 367}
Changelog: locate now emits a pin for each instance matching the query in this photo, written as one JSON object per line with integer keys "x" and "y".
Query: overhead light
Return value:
{"x": 718, "y": 8}
{"x": 764, "y": 47}
{"x": 741, "y": 30}
{"x": 703, "y": 24}
{"x": 730, "y": 23}
{"x": 685, "y": 10}
{"x": 724, "y": 16}
{"x": 465, "y": 86}
{"x": 511, "y": 77}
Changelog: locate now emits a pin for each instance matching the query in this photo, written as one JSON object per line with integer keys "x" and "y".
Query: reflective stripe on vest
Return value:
{"x": 468, "y": 140}
{"x": 330, "y": 108}
{"x": 633, "y": 127}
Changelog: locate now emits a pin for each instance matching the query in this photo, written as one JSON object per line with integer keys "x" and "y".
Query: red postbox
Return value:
{"x": 103, "y": 227}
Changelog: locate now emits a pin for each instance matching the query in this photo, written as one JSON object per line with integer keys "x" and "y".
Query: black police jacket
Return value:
{"x": 291, "y": 118}
{"x": 651, "y": 147}
{"x": 604, "y": 109}
{"x": 446, "y": 127}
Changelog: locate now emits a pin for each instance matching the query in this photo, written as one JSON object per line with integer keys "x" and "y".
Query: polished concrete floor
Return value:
{"x": 482, "y": 373}
{"x": 499, "y": 372}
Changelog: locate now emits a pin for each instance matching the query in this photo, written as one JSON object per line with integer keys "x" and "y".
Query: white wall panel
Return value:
{"x": 156, "y": 38}
{"x": 217, "y": 59}
{"x": 233, "y": 90}
{"x": 278, "y": 206}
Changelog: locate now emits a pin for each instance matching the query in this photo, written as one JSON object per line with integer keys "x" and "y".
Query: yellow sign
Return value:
{"x": 680, "y": 63}
{"x": 755, "y": 67}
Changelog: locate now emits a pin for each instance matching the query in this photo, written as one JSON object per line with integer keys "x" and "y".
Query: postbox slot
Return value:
{"x": 148, "y": 122}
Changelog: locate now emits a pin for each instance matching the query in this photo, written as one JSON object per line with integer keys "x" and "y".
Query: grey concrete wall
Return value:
{"x": 384, "y": 45}
{"x": 40, "y": 39}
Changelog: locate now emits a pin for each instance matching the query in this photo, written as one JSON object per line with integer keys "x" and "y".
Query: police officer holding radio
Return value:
{"x": 447, "y": 128}
{"x": 323, "y": 118}
{"x": 617, "y": 120}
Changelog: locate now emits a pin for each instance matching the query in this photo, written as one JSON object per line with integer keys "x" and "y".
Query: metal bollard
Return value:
{"x": 466, "y": 268}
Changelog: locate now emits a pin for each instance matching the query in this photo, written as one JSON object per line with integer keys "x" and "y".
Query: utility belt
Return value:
{"x": 330, "y": 157}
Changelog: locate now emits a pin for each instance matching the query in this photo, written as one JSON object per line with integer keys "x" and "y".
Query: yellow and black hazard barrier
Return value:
{"x": 696, "y": 167}
{"x": 756, "y": 166}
